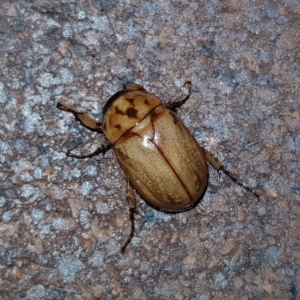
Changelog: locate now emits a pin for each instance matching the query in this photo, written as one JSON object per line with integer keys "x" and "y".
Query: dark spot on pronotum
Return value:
{"x": 131, "y": 112}
{"x": 119, "y": 111}
{"x": 130, "y": 100}
{"x": 146, "y": 101}
{"x": 118, "y": 126}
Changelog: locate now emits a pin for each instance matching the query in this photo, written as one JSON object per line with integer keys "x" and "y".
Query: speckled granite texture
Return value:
{"x": 64, "y": 220}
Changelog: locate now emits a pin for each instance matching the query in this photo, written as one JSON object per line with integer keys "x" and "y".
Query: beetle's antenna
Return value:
{"x": 131, "y": 217}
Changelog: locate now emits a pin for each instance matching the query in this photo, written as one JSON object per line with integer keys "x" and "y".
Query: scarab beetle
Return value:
{"x": 162, "y": 160}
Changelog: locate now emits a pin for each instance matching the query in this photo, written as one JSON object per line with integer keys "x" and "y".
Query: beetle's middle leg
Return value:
{"x": 132, "y": 210}
{"x": 102, "y": 149}
{"x": 175, "y": 104}
{"x": 219, "y": 167}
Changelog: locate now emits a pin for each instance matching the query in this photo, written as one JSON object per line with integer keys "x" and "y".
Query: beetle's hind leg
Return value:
{"x": 219, "y": 167}
{"x": 175, "y": 104}
{"x": 132, "y": 210}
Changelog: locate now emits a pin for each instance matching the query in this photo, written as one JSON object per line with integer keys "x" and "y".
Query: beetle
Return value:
{"x": 162, "y": 160}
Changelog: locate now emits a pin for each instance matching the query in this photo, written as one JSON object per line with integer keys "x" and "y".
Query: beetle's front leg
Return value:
{"x": 89, "y": 123}
{"x": 132, "y": 210}
{"x": 84, "y": 119}
{"x": 219, "y": 167}
{"x": 175, "y": 104}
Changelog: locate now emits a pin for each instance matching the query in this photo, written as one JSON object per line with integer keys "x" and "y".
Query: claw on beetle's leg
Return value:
{"x": 175, "y": 104}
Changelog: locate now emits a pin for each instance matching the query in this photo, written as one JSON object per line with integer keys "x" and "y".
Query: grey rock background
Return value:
{"x": 64, "y": 220}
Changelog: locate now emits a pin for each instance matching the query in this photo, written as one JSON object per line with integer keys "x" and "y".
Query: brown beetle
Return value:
{"x": 160, "y": 157}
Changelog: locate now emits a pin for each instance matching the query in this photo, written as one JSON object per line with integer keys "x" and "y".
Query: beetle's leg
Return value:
{"x": 219, "y": 167}
{"x": 84, "y": 119}
{"x": 132, "y": 210}
{"x": 102, "y": 149}
{"x": 89, "y": 123}
{"x": 175, "y": 104}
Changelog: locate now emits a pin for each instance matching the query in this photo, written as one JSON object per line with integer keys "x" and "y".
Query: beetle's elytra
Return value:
{"x": 160, "y": 157}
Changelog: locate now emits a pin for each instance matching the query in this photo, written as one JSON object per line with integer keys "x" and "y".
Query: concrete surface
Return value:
{"x": 64, "y": 220}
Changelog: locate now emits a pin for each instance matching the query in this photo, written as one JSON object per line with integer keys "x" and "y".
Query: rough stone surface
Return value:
{"x": 64, "y": 220}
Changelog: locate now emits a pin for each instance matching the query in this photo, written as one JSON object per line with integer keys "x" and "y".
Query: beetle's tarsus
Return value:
{"x": 131, "y": 217}
{"x": 219, "y": 167}
{"x": 102, "y": 149}
{"x": 132, "y": 210}
{"x": 62, "y": 107}
{"x": 175, "y": 104}
{"x": 138, "y": 212}
{"x": 239, "y": 182}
